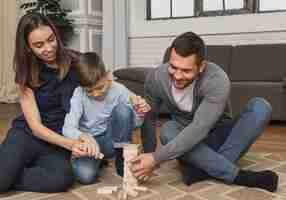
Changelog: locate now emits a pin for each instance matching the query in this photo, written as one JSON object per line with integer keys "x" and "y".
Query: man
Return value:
{"x": 201, "y": 135}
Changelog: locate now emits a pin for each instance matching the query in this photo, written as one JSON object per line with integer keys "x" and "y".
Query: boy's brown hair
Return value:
{"x": 90, "y": 69}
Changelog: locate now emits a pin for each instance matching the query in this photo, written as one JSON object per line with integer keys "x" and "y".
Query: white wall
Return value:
{"x": 115, "y": 33}
{"x": 148, "y": 39}
{"x": 88, "y": 24}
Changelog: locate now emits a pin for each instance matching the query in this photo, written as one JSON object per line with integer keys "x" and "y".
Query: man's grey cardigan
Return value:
{"x": 211, "y": 92}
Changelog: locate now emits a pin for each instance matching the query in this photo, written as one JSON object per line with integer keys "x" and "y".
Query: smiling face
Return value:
{"x": 43, "y": 43}
{"x": 183, "y": 70}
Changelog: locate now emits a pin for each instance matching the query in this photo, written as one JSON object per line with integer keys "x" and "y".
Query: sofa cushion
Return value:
{"x": 134, "y": 86}
{"x": 243, "y": 91}
{"x": 133, "y": 73}
{"x": 220, "y": 55}
{"x": 265, "y": 62}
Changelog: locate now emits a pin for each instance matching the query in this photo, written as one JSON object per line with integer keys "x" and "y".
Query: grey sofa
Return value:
{"x": 254, "y": 71}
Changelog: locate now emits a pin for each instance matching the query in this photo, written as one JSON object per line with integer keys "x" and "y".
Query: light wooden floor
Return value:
{"x": 273, "y": 140}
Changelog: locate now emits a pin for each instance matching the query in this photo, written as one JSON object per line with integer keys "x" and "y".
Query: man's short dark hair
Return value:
{"x": 189, "y": 43}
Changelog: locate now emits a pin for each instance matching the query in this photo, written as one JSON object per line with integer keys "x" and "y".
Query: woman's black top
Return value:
{"x": 53, "y": 99}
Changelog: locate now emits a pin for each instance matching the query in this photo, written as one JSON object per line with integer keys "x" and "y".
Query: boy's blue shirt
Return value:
{"x": 89, "y": 115}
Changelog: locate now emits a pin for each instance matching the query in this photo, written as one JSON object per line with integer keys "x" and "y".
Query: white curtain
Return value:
{"x": 8, "y": 18}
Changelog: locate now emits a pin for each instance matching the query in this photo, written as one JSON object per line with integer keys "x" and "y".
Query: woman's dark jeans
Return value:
{"x": 30, "y": 164}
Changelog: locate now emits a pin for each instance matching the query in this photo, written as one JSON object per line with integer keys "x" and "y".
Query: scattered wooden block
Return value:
{"x": 107, "y": 189}
{"x": 101, "y": 156}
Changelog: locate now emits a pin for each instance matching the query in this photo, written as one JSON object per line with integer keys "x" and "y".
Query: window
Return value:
{"x": 167, "y": 9}
{"x": 162, "y": 9}
{"x": 212, "y": 5}
{"x": 238, "y": 4}
{"x": 270, "y": 6}
{"x": 182, "y": 8}
{"x": 225, "y": 7}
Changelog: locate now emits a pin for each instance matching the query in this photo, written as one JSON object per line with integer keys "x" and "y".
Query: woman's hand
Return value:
{"x": 140, "y": 105}
{"x": 89, "y": 146}
{"x": 78, "y": 150}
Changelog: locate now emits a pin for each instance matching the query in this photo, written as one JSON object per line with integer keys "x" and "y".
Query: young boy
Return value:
{"x": 103, "y": 114}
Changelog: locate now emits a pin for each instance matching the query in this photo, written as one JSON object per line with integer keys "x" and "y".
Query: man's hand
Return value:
{"x": 140, "y": 105}
{"x": 143, "y": 165}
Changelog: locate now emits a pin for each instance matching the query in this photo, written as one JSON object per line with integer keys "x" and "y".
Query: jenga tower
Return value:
{"x": 129, "y": 151}
{"x": 130, "y": 183}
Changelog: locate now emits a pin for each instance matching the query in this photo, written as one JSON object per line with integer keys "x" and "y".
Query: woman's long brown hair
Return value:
{"x": 26, "y": 64}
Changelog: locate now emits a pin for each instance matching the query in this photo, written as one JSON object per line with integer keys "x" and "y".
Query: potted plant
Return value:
{"x": 54, "y": 10}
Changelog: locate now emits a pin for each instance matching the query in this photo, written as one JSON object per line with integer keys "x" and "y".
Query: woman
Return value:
{"x": 35, "y": 156}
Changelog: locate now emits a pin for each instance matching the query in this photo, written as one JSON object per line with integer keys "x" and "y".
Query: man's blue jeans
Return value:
{"x": 242, "y": 132}
{"x": 86, "y": 169}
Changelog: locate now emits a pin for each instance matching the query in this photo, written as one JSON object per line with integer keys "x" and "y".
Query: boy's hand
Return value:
{"x": 140, "y": 105}
{"x": 90, "y": 146}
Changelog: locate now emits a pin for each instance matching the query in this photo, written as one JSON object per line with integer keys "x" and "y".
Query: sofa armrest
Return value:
{"x": 284, "y": 83}
{"x": 136, "y": 74}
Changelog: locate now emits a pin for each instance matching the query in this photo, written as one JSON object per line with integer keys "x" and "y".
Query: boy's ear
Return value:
{"x": 109, "y": 75}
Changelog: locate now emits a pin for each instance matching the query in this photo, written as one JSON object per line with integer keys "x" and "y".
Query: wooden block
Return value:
{"x": 107, "y": 189}
{"x": 120, "y": 144}
{"x": 140, "y": 188}
{"x": 101, "y": 156}
{"x": 132, "y": 193}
